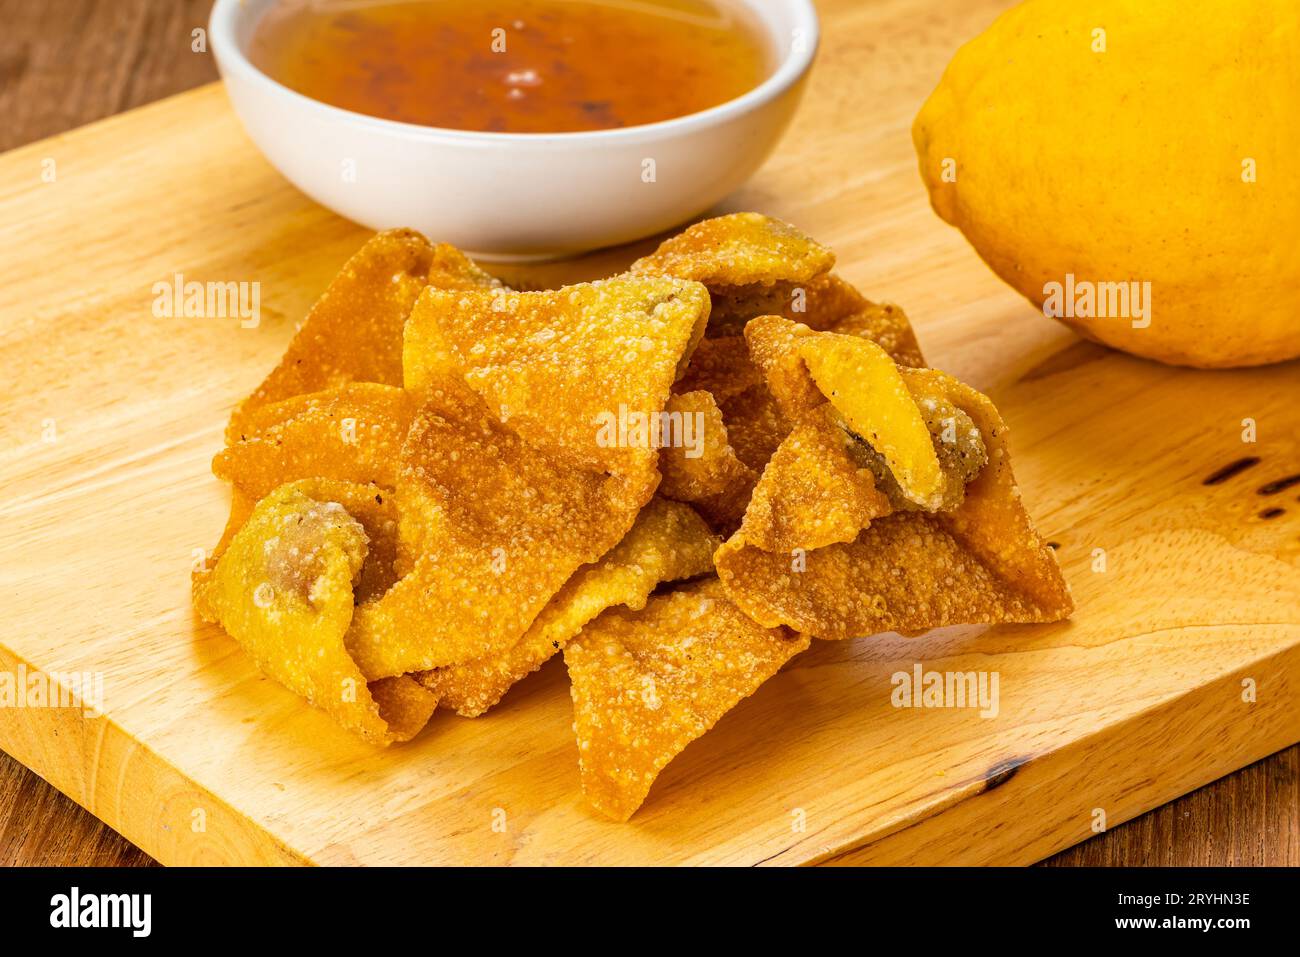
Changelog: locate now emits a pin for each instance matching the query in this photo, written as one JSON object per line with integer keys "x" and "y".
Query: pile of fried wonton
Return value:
{"x": 678, "y": 477}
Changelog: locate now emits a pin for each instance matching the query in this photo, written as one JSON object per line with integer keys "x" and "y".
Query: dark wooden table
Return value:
{"x": 68, "y": 62}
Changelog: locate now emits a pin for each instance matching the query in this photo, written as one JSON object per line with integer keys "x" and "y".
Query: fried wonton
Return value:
{"x": 974, "y": 557}
{"x": 647, "y": 683}
{"x": 703, "y": 468}
{"x": 870, "y": 395}
{"x": 752, "y": 265}
{"x": 815, "y": 491}
{"x": 867, "y": 390}
{"x": 352, "y": 434}
{"x": 742, "y": 249}
{"x": 755, "y": 425}
{"x": 830, "y": 304}
{"x": 375, "y": 509}
{"x": 496, "y": 527}
{"x": 284, "y": 589}
{"x": 722, "y": 368}
{"x": 774, "y": 345}
{"x": 669, "y": 542}
{"x": 573, "y": 371}
{"x": 354, "y": 331}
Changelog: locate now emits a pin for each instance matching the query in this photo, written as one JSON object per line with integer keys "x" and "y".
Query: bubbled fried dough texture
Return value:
{"x": 354, "y": 331}
{"x": 669, "y": 542}
{"x": 646, "y": 684}
{"x": 284, "y": 589}
{"x": 982, "y": 562}
{"x": 814, "y": 492}
{"x": 905, "y": 572}
{"x": 722, "y": 368}
{"x": 703, "y": 468}
{"x": 496, "y": 528}
{"x": 742, "y": 249}
{"x": 351, "y": 434}
{"x": 556, "y": 364}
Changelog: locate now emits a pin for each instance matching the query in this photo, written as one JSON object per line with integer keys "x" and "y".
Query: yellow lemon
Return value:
{"x": 1133, "y": 167}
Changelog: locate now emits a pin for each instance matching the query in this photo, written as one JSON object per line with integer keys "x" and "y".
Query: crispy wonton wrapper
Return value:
{"x": 814, "y": 492}
{"x": 496, "y": 527}
{"x": 755, "y": 425}
{"x": 704, "y": 469}
{"x": 450, "y": 480}
{"x": 742, "y": 249}
{"x": 284, "y": 589}
{"x": 645, "y": 684}
{"x": 354, "y": 331}
{"x": 721, "y": 367}
{"x": 807, "y": 369}
{"x": 831, "y": 304}
{"x": 669, "y": 542}
{"x": 751, "y": 264}
{"x": 522, "y": 471}
{"x": 352, "y": 434}
{"x": 570, "y": 370}
{"x": 979, "y": 561}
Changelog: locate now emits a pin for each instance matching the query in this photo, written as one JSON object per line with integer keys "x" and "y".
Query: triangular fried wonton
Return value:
{"x": 521, "y": 469}
{"x": 572, "y": 371}
{"x": 496, "y": 528}
{"x": 645, "y": 684}
{"x": 354, "y": 331}
{"x": 352, "y": 433}
{"x": 814, "y": 491}
{"x": 751, "y": 263}
{"x": 669, "y": 542}
{"x": 944, "y": 543}
{"x": 703, "y": 468}
{"x": 284, "y": 589}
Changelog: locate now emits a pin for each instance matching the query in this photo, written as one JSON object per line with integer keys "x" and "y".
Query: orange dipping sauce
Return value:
{"x": 515, "y": 66}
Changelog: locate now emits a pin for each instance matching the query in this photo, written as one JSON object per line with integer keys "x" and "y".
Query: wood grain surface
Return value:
{"x": 68, "y": 62}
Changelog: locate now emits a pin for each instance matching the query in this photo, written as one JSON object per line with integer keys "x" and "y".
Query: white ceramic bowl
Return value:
{"x": 516, "y": 195}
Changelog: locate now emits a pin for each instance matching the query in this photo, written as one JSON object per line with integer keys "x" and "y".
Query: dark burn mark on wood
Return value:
{"x": 1272, "y": 513}
{"x": 1002, "y": 772}
{"x": 1280, "y": 485}
{"x": 1230, "y": 470}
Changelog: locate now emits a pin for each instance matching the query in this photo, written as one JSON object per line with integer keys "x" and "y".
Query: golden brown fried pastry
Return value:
{"x": 496, "y": 527}
{"x": 815, "y": 491}
{"x": 284, "y": 590}
{"x": 830, "y": 304}
{"x": 978, "y": 562}
{"x": 352, "y": 434}
{"x": 721, "y": 367}
{"x": 354, "y": 331}
{"x": 741, "y": 249}
{"x": 755, "y": 425}
{"x": 669, "y": 542}
{"x": 702, "y": 468}
{"x": 751, "y": 264}
{"x": 569, "y": 370}
{"x": 647, "y": 683}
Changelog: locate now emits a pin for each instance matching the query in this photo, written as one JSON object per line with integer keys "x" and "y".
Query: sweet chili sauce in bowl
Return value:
{"x": 515, "y": 66}
{"x": 516, "y": 129}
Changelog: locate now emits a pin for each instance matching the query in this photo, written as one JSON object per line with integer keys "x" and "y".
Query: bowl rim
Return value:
{"x": 227, "y": 16}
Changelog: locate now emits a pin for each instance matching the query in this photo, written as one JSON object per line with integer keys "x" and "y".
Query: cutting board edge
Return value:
{"x": 155, "y": 801}
{"x": 936, "y": 839}
{"x": 152, "y": 802}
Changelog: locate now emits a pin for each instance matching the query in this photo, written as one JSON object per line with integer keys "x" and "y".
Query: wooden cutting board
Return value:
{"x": 1182, "y": 663}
